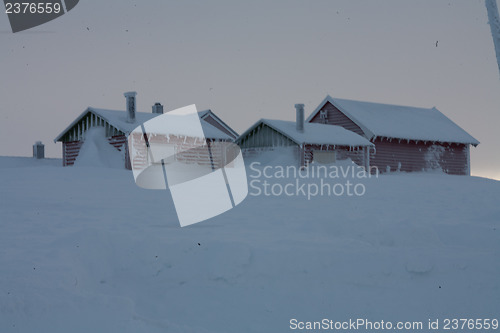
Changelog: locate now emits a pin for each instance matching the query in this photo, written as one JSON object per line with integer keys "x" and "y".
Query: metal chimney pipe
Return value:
{"x": 131, "y": 106}
{"x": 39, "y": 150}
{"x": 300, "y": 117}
{"x": 158, "y": 108}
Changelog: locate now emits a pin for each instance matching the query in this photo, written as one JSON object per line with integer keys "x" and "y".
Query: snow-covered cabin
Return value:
{"x": 313, "y": 142}
{"x": 117, "y": 125}
{"x": 406, "y": 138}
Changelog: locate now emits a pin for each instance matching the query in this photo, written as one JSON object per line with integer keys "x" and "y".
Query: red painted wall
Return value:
{"x": 335, "y": 117}
{"x": 419, "y": 156}
{"x": 70, "y": 151}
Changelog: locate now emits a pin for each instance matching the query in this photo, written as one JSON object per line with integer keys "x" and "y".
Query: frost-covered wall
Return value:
{"x": 434, "y": 157}
{"x": 401, "y": 155}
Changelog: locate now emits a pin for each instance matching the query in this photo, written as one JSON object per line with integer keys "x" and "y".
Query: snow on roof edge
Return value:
{"x": 330, "y": 99}
{"x": 371, "y": 134}
{"x": 73, "y": 123}
{"x": 276, "y": 125}
{"x": 229, "y": 128}
{"x": 101, "y": 112}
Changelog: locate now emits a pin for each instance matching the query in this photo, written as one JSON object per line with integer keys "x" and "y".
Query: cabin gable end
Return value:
{"x": 331, "y": 115}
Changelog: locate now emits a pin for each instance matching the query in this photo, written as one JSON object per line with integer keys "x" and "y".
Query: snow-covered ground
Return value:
{"x": 83, "y": 249}
{"x": 27, "y": 162}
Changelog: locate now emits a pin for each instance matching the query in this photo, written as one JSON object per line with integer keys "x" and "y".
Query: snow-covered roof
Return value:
{"x": 118, "y": 119}
{"x": 208, "y": 113}
{"x": 314, "y": 133}
{"x": 401, "y": 122}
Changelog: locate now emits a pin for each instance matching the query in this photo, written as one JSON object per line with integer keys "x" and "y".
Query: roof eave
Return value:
{"x": 263, "y": 121}
{"x": 112, "y": 123}
{"x": 73, "y": 123}
{"x": 237, "y": 140}
{"x": 369, "y": 144}
{"x": 368, "y": 133}
{"x": 94, "y": 111}
{"x": 474, "y": 143}
{"x": 221, "y": 122}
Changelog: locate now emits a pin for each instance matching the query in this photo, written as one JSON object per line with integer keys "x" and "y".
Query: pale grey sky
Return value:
{"x": 251, "y": 59}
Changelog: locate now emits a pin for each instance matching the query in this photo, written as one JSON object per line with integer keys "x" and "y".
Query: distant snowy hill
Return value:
{"x": 83, "y": 249}
{"x": 27, "y": 162}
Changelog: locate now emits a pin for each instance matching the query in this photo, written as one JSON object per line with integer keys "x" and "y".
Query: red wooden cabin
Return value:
{"x": 406, "y": 138}
{"x": 118, "y": 126}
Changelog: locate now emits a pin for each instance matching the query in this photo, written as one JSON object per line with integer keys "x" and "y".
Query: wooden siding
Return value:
{"x": 209, "y": 119}
{"x": 188, "y": 150}
{"x": 210, "y": 153}
{"x": 336, "y": 117}
{"x": 420, "y": 156}
{"x": 118, "y": 141}
{"x": 70, "y": 151}
{"x": 265, "y": 136}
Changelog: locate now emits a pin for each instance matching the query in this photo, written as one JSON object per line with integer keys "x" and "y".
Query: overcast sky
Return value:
{"x": 251, "y": 59}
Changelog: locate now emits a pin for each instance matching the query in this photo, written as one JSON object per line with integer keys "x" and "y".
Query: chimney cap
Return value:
{"x": 157, "y": 108}
{"x": 130, "y": 94}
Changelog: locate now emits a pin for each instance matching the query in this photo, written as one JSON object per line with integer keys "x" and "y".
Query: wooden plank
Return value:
{"x": 336, "y": 117}
{"x": 414, "y": 156}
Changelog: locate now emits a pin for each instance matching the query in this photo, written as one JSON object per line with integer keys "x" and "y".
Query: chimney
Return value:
{"x": 38, "y": 150}
{"x": 300, "y": 117}
{"x": 131, "y": 106}
{"x": 158, "y": 108}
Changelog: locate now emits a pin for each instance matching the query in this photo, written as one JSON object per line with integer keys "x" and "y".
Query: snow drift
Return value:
{"x": 85, "y": 250}
{"x": 96, "y": 151}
